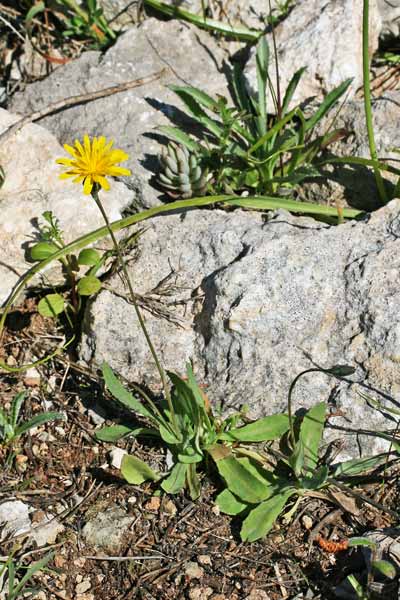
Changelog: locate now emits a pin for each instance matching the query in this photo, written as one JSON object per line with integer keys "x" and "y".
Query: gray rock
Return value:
{"x": 31, "y": 186}
{"x": 189, "y": 57}
{"x": 390, "y": 13}
{"x": 259, "y": 301}
{"x": 107, "y": 529}
{"x": 325, "y": 37}
{"x": 14, "y": 519}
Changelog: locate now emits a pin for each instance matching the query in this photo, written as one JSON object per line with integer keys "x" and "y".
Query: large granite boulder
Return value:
{"x": 254, "y": 301}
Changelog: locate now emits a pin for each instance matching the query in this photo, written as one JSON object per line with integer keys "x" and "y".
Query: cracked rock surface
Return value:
{"x": 253, "y": 302}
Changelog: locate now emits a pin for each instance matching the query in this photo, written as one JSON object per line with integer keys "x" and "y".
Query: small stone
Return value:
{"x": 60, "y": 431}
{"x": 40, "y": 596}
{"x": 200, "y": 593}
{"x": 83, "y": 587}
{"x": 21, "y": 463}
{"x": 80, "y": 562}
{"x": 132, "y": 500}
{"x": 107, "y": 528}
{"x": 169, "y": 507}
{"x": 47, "y": 530}
{"x": 193, "y": 571}
{"x": 153, "y": 504}
{"x": 14, "y": 516}
{"x": 204, "y": 559}
{"x": 307, "y": 522}
{"x": 79, "y": 578}
{"x": 32, "y": 377}
{"x": 11, "y": 361}
{"x": 216, "y": 510}
{"x": 46, "y": 436}
{"x": 59, "y": 561}
{"x": 116, "y": 456}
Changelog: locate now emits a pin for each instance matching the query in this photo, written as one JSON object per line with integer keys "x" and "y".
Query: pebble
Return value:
{"x": 83, "y": 587}
{"x": 193, "y": 571}
{"x": 307, "y": 522}
{"x": 200, "y": 593}
{"x": 116, "y": 456}
{"x": 32, "y": 377}
{"x": 204, "y": 559}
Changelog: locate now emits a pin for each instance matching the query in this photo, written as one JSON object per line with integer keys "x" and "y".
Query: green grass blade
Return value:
{"x": 239, "y": 33}
{"x": 273, "y": 131}
{"x": 201, "y": 97}
{"x": 189, "y": 97}
{"x": 262, "y": 62}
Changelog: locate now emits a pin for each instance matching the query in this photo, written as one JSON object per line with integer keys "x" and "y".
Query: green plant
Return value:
{"x": 181, "y": 173}
{"x": 51, "y": 241}
{"x": 244, "y": 147}
{"x": 16, "y": 588}
{"x": 259, "y": 493}
{"x": 87, "y": 21}
{"x": 188, "y": 427}
{"x": 10, "y": 426}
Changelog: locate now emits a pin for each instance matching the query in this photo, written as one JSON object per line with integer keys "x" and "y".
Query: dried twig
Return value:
{"x": 73, "y": 100}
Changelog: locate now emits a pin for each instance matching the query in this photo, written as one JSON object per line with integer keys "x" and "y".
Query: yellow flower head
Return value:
{"x": 92, "y": 162}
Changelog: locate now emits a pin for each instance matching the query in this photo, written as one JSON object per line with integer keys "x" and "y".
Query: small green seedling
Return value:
{"x": 10, "y": 425}
{"x": 16, "y": 588}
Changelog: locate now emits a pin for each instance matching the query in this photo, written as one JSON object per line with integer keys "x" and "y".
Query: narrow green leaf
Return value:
{"x": 88, "y": 285}
{"x": 385, "y": 568}
{"x": 361, "y": 541}
{"x": 262, "y": 430}
{"x": 329, "y": 101}
{"x": 229, "y": 504}
{"x": 135, "y": 471}
{"x": 117, "y": 390}
{"x": 291, "y": 88}
{"x": 188, "y": 98}
{"x": 296, "y": 459}
{"x": 238, "y": 33}
{"x": 193, "y": 482}
{"x": 341, "y": 370}
{"x": 175, "y": 481}
{"x": 262, "y": 60}
{"x": 39, "y": 420}
{"x": 201, "y": 97}
{"x": 260, "y": 520}
{"x": 34, "y": 10}
{"x": 274, "y": 202}
{"x": 32, "y": 569}
{"x": 168, "y": 436}
{"x": 113, "y": 433}
{"x": 181, "y": 137}
{"x": 16, "y": 407}
{"x": 358, "y": 465}
{"x": 51, "y": 305}
{"x": 88, "y": 256}
{"x": 316, "y": 480}
{"x": 311, "y": 430}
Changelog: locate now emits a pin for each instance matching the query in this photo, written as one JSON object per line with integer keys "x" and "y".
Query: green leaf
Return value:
{"x": 39, "y": 420}
{"x": 316, "y": 480}
{"x": 311, "y": 430}
{"x": 175, "y": 481}
{"x": 113, "y": 433}
{"x": 358, "y": 465}
{"x": 262, "y": 430}
{"x": 246, "y": 480}
{"x": 275, "y": 202}
{"x": 296, "y": 459}
{"x": 34, "y": 10}
{"x": 16, "y": 408}
{"x": 341, "y": 370}
{"x": 135, "y": 471}
{"x": 181, "y": 137}
{"x": 168, "y": 436}
{"x": 88, "y": 285}
{"x": 193, "y": 482}
{"x": 229, "y": 504}
{"x": 291, "y": 88}
{"x": 262, "y": 60}
{"x": 326, "y": 105}
{"x": 189, "y": 96}
{"x": 260, "y": 520}
{"x": 117, "y": 390}
{"x": 238, "y": 33}
{"x": 43, "y": 250}
{"x": 51, "y": 305}
{"x": 89, "y": 257}
{"x": 361, "y": 541}
{"x": 190, "y": 456}
{"x": 385, "y": 567}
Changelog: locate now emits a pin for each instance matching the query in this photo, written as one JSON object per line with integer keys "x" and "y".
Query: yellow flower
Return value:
{"x": 92, "y": 162}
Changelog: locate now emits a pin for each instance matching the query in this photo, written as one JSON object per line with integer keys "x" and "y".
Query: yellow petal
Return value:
{"x": 65, "y": 161}
{"x": 117, "y": 171}
{"x": 87, "y": 185}
{"x": 102, "y": 181}
{"x": 70, "y": 150}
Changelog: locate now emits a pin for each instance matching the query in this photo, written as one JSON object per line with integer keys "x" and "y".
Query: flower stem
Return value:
{"x": 95, "y": 196}
{"x": 367, "y": 102}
